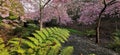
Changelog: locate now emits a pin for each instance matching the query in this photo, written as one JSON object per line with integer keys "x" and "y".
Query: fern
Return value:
{"x": 34, "y": 40}
{"x": 4, "y": 52}
{"x": 67, "y": 51}
{"x": 40, "y": 33}
{"x": 40, "y": 39}
{"x": 54, "y": 50}
{"x": 14, "y": 41}
{"x": 48, "y": 41}
{"x": 45, "y": 42}
{"x": 46, "y": 34}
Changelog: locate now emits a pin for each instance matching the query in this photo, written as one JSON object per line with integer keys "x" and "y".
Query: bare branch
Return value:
{"x": 46, "y": 3}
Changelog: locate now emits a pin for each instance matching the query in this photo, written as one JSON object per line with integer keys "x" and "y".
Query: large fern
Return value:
{"x": 49, "y": 36}
{"x": 45, "y": 42}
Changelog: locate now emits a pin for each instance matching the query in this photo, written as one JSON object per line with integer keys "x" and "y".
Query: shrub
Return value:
{"x": 25, "y": 31}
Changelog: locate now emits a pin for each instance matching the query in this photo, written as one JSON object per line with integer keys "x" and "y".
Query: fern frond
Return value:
{"x": 38, "y": 37}
{"x": 54, "y": 50}
{"x": 36, "y": 42}
{"x": 49, "y": 31}
{"x": 41, "y": 34}
{"x": 45, "y": 32}
{"x": 58, "y": 38}
{"x": 29, "y": 43}
{"x": 67, "y": 51}
{"x": 14, "y": 41}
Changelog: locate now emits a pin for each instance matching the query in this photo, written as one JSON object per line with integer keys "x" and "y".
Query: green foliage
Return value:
{"x": 73, "y": 31}
{"x": 89, "y": 33}
{"x": 54, "y": 50}
{"x": 117, "y": 33}
{"x": 92, "y": 54}
{"x": 1, "y": 43}
{"x": 67, "y": 51}
{"x": 48, "y": 36}
{"x": 116, "y": 38}
{"x": 45, "y": 42}
{"x": 115, "y": 45}
{"x": 82, "y": 33}
{"x": 12, "y": 17}
{"x": 3, "y": 50}
{"x": 25, "y": 31}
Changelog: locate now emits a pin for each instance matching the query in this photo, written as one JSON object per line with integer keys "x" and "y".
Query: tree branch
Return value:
{"x": 46, "y": 3}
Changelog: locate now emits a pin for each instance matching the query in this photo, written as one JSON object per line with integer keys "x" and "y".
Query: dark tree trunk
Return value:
{"x": 100, "y": 18}
{"x": 98, "y": 31}
{"x": 99, "y": 24}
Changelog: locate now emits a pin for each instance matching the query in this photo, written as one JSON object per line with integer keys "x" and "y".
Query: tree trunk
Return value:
{"x": 40, "y": 25}
{"x": 116, "y": 26}
{"x": 98, "y": 31}
{"x": 99, "y": 24}
{"x": 40, "y": 19}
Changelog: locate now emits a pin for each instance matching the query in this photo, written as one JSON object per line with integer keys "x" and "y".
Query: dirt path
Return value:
{"x": 86, "y": 47}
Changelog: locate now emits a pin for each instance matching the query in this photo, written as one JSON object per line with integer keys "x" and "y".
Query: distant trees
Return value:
{"x": 93, "y": 11}
{"x": 44, "y": 11}
{"x": 89, "y": 11}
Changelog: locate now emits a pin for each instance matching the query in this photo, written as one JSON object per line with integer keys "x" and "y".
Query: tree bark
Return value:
{"x": 40, "y": 24}
{"x": 40, "y": 19}
{"x": 116, "y": 26}
{"x": 99, "y": 24}
{"x": 98, "y": 31}
{"x": 100, "y": 18}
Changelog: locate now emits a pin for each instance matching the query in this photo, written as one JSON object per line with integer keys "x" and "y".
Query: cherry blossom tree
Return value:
{"x": 45, "y": 10}
{"x": 95, "y": 11}
{"x": 105, "y": 10}
{"x": 89, "y": 11}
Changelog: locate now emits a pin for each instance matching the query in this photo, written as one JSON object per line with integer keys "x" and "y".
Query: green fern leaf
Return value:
{"x": 29, "y": 43}
{"x": 54, "y": 50}
{"x": 49, "y": 31}
{"x": 45, "y": 32}
{"x": 41, "y": 34}
{"x": 67, "y": 51}
{"x": 36, "y": 42}
{"x": 38, "y": 37}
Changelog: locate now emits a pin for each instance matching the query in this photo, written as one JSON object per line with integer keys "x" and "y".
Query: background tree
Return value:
{"x": 44, "y": 11}
{"x": 101, "y": 9}
{"x": 91, "y": 12}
